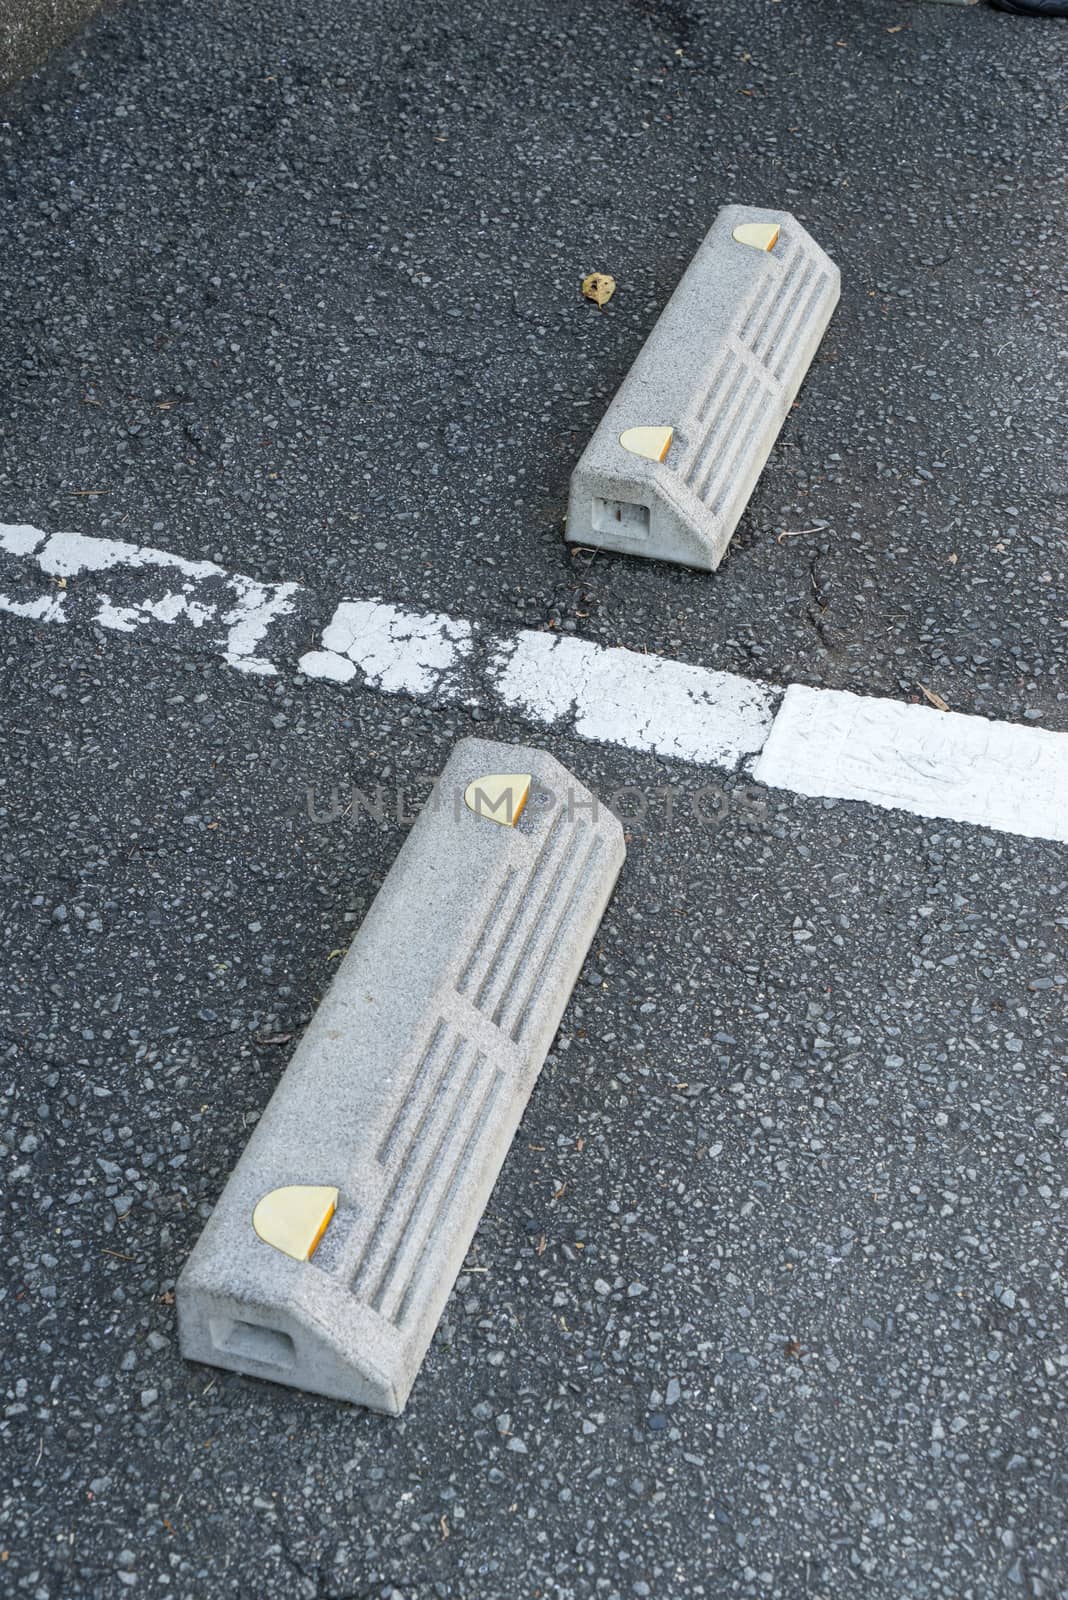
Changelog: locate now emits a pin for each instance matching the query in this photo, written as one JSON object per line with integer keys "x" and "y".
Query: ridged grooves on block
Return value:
{"x": 536, "y": 923}
{"x": 740, "y": 395}
{"x": 718, "y": 390}
{"x": 786, "y": 257}
{"x": 484, "y": 937}
{"x": 412, "y": 1095}
{"x": 440, "y": 1120}
{"x": 538, "y": 946}
{"x": 411, "y": 1202}
{"x": 454, "y": 1088}
{"x": 557, "y": 940}
{"x": 434, "y": 1234}
{"x": 487, "y": 983}
{"x": 718, "y": 484}
{"x": 769, "y": 298}
{"x": 792, "y": 336}
{"x": 726, "y": 395}
{"x": 414, "y": 1213}
{"x": 729, "y": 416}
{"x": 791, "y": 288}
{"x": 368, "y": 1270}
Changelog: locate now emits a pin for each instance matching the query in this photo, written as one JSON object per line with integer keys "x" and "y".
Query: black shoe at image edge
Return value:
{"x": 1033, "y": 8}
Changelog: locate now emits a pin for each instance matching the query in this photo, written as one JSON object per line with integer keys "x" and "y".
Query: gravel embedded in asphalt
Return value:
{"x": 769, "y": 1298}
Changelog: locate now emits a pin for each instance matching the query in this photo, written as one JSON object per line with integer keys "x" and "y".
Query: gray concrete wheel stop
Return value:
{"x": 675, "y": 458}
{"x": 332, "y": 1251}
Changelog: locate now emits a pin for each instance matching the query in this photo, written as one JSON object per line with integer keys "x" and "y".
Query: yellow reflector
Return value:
{"x": 499, "y": 796}
{"x": 758, "y": 235}
{"x": 294, "y": 1219}
{"x": 652, "y": 443}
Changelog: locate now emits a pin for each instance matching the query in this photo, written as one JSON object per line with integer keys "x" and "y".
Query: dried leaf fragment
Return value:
{"x": 934, "y": 698}
{"x": 598, "y": 287}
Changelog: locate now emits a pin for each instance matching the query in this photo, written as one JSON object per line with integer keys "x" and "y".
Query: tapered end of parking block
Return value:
{"x": 334, "y": 1245}
{"x": 671, "y": 467}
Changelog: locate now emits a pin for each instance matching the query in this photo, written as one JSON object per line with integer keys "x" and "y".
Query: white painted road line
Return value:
{"x": 913, "y": 758}
{"x": 643, "y": 702}
{"x": 396, "y": 651}
{"x": 818, "y": 742}
{"x": 199, "y": 593}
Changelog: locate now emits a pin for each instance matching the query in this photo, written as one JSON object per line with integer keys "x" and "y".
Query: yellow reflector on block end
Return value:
{"x": 652, "y": 443}
{"x": 295, "y": 1218}
{"x": 499, "y": 796}
{"x": 757, "y": 235}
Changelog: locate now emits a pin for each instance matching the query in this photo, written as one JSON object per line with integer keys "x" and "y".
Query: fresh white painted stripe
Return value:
{"x": 820, "y": 742}
{"x": 912, "y": 758}
{"x": 643, "y": 702}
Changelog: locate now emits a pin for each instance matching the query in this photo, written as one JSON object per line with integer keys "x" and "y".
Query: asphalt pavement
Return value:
{"x": 769, "y": 1299}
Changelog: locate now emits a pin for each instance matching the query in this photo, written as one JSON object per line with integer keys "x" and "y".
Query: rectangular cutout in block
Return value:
{"x": 621, "y": 519}
{"x": 253, "y": 1342}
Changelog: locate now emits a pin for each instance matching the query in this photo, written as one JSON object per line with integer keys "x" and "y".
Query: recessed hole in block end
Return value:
{"x": 250, "y": 1341}
{"x": 621, "y": 518}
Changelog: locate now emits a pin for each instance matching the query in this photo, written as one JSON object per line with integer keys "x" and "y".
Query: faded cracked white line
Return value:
{"x": 818, "y": 742}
